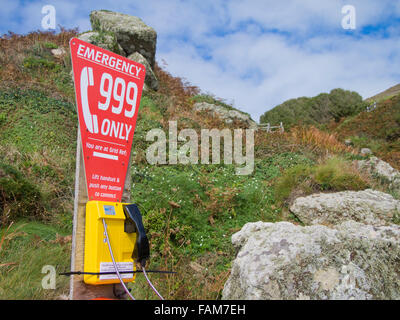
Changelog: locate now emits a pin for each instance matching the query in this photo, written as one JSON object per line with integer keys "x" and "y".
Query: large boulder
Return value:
{"x": 381, "y": 170}
{"x": 285, "y": 261}
{"x": 131, "y": 32}
{"x": 367, "y": 206}
{"x": 228, "y": 115}
{"x": 151, "y": 80}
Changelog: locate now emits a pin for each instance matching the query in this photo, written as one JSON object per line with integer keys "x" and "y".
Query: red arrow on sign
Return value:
{"x": 108, "y": 89}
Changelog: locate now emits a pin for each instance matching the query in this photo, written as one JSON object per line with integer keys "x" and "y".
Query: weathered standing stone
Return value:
{"x": 365, "y": 151}
{"x": 367, "y": 206}
{"x": 59, "y": 52}
{"x": 131, "y": 32}
{"x": 103, "y": 40}
{"x": 151, "y": 80}
{"x": 226, "y": 114}
{"x": 285, "y": 261}
{"x": 381, "y": 170}
{"x": 348, "y": 142}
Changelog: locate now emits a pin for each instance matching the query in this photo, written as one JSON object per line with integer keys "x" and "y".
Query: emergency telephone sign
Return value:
{"x": 108, "y": 89}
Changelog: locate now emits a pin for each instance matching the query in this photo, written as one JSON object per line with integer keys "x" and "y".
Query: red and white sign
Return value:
{"x": 108, "y": 89}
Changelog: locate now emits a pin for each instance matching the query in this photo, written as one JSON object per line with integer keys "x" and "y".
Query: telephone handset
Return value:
{"x": 86, "y": 81}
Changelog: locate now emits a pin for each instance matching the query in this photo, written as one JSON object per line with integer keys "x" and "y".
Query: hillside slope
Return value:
{"x": 384, "y": 95}
{"x": 190, "y": 211}
{"x": 378, "y": 130}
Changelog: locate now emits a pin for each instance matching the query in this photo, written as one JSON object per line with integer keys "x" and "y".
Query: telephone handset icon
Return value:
{"x": 86, "y": 81}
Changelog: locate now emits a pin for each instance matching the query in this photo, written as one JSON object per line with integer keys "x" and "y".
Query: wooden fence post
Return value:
{"x": 78, "y": 289}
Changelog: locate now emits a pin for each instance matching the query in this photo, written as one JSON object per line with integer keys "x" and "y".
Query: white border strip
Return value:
{"x": 104, "y": 155}
{"x": 103, "y": 65}
{"x": 118, "y": 144}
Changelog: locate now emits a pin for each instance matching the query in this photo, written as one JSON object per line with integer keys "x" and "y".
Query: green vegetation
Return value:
{"x": 317, "y": 110}
{"x": 378, "y": 130}
{"x": 50, "y": 45}
{"x": 25, "y": 248}
{"x": 335, "y": 174}
{"x": 18, "y": 196}
{"x": 36, "y": 156}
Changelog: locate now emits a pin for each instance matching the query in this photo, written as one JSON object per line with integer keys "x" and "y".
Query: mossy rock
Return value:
{"x": 131, "y": 32}
{"x": 103, "y": 39}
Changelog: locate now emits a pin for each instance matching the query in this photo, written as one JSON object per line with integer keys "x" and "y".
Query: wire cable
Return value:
{"x": 151, "y": 285}
{"x": 114, "y": 263}
{"x": 70, "y": 273}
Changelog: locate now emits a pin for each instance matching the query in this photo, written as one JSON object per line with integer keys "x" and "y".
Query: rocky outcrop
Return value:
{"x": 285, "y": 261}
{"x": 381, "y": 170}
{"x": 228, "y": 115}
{"x": 132, "y": 34}
{"x": 151, "y": 80}
{"x": 125, "y": 35}
{"x": 368, "y": 206}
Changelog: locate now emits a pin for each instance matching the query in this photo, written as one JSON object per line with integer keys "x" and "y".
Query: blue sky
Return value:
{"x": 254, "y": 54}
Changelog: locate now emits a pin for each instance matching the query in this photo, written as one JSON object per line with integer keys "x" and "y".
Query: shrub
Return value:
{"x": 335, "y": 174}
{"x": 18, "y": 197}
{"x": 292, "y": 178}
{"x": 316, "y": 110}
{"x": 50, "y": 45}
{"x": 37, "y": 63}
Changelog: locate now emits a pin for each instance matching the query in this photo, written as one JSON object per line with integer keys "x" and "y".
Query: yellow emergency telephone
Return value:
{"x": 114, "y": 236}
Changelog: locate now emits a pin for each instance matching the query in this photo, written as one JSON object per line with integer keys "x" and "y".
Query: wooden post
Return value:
{"x": 78, "y": 289}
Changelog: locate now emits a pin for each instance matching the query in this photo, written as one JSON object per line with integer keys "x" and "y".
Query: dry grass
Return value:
{"x": 319, "y": 141}
{"x": 14, "y": 49}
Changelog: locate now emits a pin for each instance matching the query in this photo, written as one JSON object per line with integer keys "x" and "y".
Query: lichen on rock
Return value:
{"x": 367, "y": 206}
{"x": 228, "y": 115}
{"x": 151, "y": 80}
{"x": 105, "y": 40}
{"x": 285, "y": 261}
{"x": 131, "y": 32}
{"x": 381, "y": 170}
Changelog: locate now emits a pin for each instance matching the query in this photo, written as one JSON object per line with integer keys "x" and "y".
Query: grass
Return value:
{"x": 319, "y": 141}
{"x": 333, "y": 175}
{"x": 26, "y": 247}
{"x": 211, "y": 201}
{"x": 36, "y": 155}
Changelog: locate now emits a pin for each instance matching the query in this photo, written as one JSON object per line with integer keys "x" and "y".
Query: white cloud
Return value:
{"x": 285, "y": 70}
{"x": 257, "y": 53}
